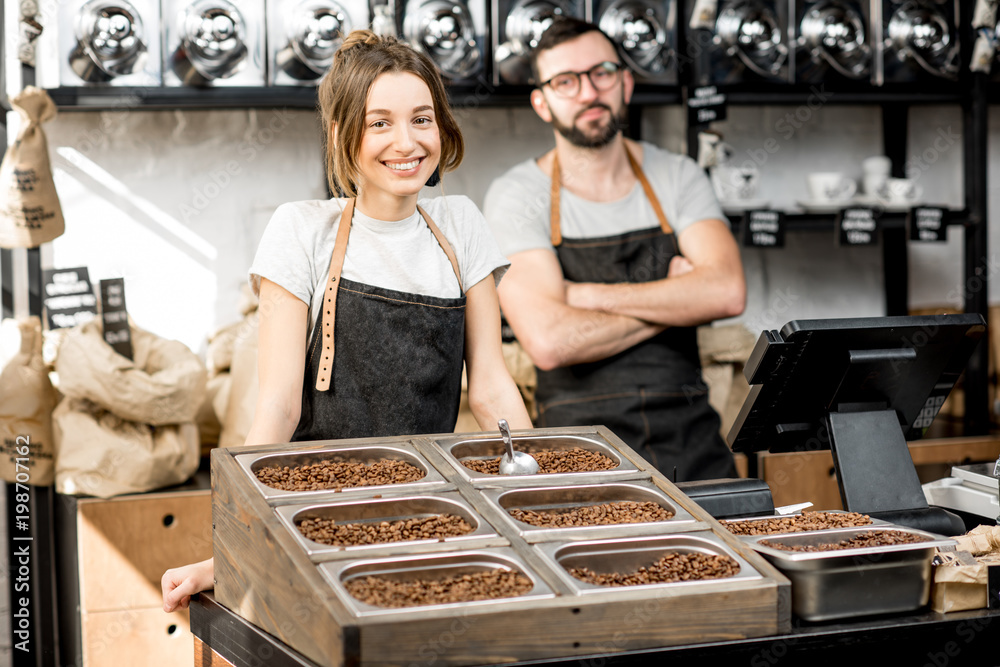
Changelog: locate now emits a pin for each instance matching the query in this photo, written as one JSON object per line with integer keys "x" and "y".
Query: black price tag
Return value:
{"x": 764, "y": 229}
{"x": 115, "y": 317}
{"x": 928, "y": 224}
{"x": 857, "y": 226}
{"x": 705, "y": 105}
{"x": 69, "y": 297}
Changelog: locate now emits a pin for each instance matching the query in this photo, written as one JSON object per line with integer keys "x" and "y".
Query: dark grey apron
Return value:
{"x": 398, "y": 363}
{"x": 652, "y": 395}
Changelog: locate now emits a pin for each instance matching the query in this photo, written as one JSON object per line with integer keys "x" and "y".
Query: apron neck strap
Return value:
{"x": 654, "y": 201}
{"x": 324, "y": 374}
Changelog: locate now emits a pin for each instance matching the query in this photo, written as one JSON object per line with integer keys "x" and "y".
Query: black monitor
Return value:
{"x": 861, "y": 387}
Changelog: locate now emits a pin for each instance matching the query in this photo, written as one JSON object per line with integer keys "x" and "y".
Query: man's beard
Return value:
{"x": 579, "y": 138}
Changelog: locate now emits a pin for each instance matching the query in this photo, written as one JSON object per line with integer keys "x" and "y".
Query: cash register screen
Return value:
{"x": 810, "y": 368}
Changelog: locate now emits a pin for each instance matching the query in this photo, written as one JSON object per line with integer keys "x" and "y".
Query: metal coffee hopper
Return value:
{"x": 920, "y": 39}
{"x": 214, "y": 43}
{"x": 485, "y": 446}
{"x": 110, "y": 42}
{"x": 646, "y": 33}
{"x": 451, "y": 33}
{"x": 432, "y": 566}
{"x": 390, "y": 508}
{"x": 557, "y": 498}
{"x": 517, "y": 26}
{"x": 431, "y": 480}
{"x": 303, "y": 35}
{"x": 833, "y": 37}
{"x": 753, "y": 33}
{"x": 629, "y": 554}
{"x": 854, "y": 582}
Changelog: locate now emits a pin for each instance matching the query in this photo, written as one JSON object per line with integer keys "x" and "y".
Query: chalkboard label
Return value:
{"x": 115, "y": 317}
{"x": 764, "y": 229}
{"x": 68, "y": 297}
{"x": 928, "y": 224}
{"x": 857, "y": 226}
{"x": 706, "y": 105}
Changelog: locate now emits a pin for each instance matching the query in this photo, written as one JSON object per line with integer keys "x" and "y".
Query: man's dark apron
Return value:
{"x": 652, "y": 395}
{"x": 398, "y": 363}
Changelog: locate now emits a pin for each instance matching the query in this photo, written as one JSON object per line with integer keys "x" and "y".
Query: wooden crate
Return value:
{"x": 264, "y": 575}
{"x": 112, "y": 555}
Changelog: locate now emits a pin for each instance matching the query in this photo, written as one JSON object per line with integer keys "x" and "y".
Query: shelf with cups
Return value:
{"x": 812, "y": 221}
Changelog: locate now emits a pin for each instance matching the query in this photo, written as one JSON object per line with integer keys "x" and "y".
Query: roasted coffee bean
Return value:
{"x": 489, "y": 585}
{"x": 551, "y": 461}
{"x": 435, "y": 527}
{"x": 871, "y": 538}
{"x": 797, "y": 524}
{"x": 625, "y": 511}
{"x": 336, "y": 474}
{"x": 670, "y": 568}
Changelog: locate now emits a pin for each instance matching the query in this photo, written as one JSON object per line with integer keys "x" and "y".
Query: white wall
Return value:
{"x": 175, "y": 202}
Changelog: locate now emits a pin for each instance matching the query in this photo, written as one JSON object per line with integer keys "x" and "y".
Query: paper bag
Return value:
{"x": 30, "y": 213}
{"x": 26, "y": 402}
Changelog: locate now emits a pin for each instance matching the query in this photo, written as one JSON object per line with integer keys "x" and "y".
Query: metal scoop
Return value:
{"x": 514, "y": 463}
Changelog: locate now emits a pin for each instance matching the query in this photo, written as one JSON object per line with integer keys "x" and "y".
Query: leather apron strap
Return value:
{"x": 654, "y": 201}
{"x": 324, "y": 374}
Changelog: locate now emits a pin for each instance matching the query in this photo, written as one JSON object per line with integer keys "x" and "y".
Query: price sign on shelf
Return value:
{"x": 928, "y": 224}
{"x": 68, "y": 297}
{"x": 115, "y": 317}
{"x": 705, "y": 105}
{"x": 857, "y": 226}
{"x": 764, "y": 229}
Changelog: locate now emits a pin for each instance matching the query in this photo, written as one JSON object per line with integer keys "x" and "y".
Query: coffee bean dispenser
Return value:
{"x": 377, "y": 546}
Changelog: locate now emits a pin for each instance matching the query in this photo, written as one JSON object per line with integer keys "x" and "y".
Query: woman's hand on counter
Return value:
{"x": 180, "y": 583}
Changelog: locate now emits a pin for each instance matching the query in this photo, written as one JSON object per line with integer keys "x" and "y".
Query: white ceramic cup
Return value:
{"x": 875, "y": 185}
{"x": 734, "y": 184}
{"x": 903, "y": 191}
{"x": 877, "y": 164}
{"x": 830, "y": 186}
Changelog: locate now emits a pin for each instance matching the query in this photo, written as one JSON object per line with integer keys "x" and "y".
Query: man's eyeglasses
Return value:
{"x": 603, "y": 76}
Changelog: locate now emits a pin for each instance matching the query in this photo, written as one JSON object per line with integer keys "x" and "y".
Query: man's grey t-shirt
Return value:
{"x": 402, "y": 255}
{"x": 517, "y": 203}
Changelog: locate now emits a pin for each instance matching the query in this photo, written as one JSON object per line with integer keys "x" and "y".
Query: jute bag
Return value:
{"x": 26, "y": 402}
{"x": 30, "y": 213}
{"x": 125, "y": 426}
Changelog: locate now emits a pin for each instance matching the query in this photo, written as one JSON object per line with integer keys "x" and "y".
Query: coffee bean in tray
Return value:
{"x": 671, "y": 568}
{"x": 438, "y": 526}
{"x": 626, "y": 511}
{"x": 551, "y": 461}
{"x": 333, "y": 474}
{"x": 488, "y": 585}
{"x": 798, "y": 523}
{"x": 873, "y": 538}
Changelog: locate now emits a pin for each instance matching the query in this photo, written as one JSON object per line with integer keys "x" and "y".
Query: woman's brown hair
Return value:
{"x": 343, "y": 98}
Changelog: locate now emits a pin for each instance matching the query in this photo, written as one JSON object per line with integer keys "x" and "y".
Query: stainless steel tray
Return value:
{"x": 854, "y": 582}
{"x": 432, "y": 479}
{"x": 487, "y": 446}
{"x": 369, "y": 510}
{"x": 629, "y": 554}
{"x": 431, "y": 566}
{"x": 548, "y": 498}
{"x": 750, "y": 538}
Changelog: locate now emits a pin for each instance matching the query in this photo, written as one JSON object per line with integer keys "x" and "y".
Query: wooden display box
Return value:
{"x": 265, "y": 575}
{"x": 112, "y": 554}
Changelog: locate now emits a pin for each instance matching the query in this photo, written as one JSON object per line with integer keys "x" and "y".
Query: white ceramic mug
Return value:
{"x": 903, "y": 191}
{"x": 830, "y": 186}
{"x": 877, "y": 164}
{"x": 733, "y": 184}
{"x": 875, "y": 185}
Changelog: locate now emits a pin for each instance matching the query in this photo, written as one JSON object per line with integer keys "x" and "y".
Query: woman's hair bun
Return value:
{"x": 357, "y": 39}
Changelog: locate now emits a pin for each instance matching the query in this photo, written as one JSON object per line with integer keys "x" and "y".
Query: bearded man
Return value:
{"x": 618, "y": 251}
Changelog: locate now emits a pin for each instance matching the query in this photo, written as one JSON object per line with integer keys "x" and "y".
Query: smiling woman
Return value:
{"x": 371, "y": 304}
